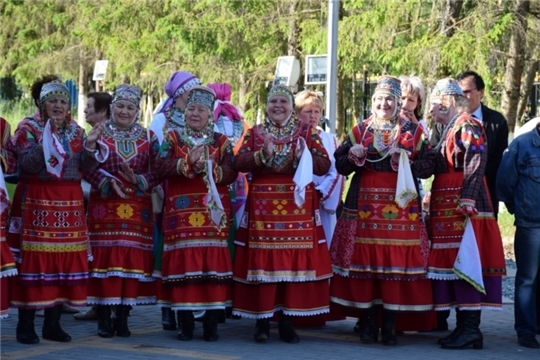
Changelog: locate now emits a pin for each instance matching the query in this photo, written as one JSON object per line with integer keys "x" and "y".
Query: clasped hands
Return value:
{"x": 268, "y": 147}
{"x": 359, "y": 151}
{"x": 197, "y": 157}
{"x": 127, "y": 174}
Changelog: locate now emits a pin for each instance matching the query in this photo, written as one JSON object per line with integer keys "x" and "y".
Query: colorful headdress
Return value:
{"x": 202, "y": 95}
{"x": 129, "y": 93}
{"x": 223, "y": 104}
{"x": 388, "y": 85}
{"x": 178, "y": 84}
{"x": 280, "y": 90}
{"x": 445, "y": 87}
{"x": 52, "y": 90}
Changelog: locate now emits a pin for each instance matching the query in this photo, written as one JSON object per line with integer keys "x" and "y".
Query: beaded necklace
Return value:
{"x": 282, "y": 135}
{"x": 385, "y": 136}
{"x": 119, "y": 132}
{"x": 204, "y": 136}
{"x": 176, "y": 118}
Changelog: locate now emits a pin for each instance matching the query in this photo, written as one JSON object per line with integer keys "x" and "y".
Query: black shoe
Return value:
{"x": 26, "y": 333}
{"x": 105, "y": 329}
{"x": 368, "y": 328}
{"x": 262, "y": 330}
{"x": 459, "y": 324}
{"x": 210, "y": 327}
{"x": 51, "y": 325}
{"x": 168, "y": 319}
{"x": 388, "y": 336}
{"x": 468, "y": 334}
{"x": 121, "y": 321}
{"x": 528, "y": 340}
{"x": 186, "y": 323}
{"x": 286, "y": 330}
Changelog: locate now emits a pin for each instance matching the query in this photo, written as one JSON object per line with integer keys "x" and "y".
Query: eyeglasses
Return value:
{"x": 468, "y": 91}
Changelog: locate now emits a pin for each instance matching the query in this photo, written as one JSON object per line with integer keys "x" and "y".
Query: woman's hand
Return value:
{"x": 117, "y": 189}
{"x": 93, "y": 136}
{"x": 396, "y": 154}
{"x": 409, "y": 115}
{"x": 358, "y": 151}
{"x": 128, "y": 174}
{"x": 194, "y": 154}
{"x": 268, "y": 147}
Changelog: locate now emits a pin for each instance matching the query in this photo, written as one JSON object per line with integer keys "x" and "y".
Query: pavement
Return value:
{"x": 336, "y": 340}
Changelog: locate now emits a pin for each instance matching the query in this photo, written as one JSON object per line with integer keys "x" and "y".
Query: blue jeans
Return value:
{"x": 527, "y": 252}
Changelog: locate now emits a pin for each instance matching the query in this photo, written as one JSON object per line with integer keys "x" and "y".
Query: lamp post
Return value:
{"x": 331, "y": 81}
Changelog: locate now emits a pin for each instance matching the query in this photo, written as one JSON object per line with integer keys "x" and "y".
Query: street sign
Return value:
{"x": 287, "y": 71}
{"x": 100, "y": 70}
{"x": 315, "y": 70}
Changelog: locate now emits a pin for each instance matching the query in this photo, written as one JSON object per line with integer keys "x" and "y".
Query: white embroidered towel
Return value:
{"x": 213, "y": 201}
{"x": 405, "y": 189}
{"x": 53, "y": 151}
{"x": 468, "y": 265}
{"x": 303, "y": 175}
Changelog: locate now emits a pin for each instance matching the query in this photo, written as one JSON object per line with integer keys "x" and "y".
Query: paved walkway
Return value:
{"x": 334, "y": 341}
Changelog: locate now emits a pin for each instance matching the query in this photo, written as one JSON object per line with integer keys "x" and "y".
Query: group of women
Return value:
{"x": 211, "y": 239}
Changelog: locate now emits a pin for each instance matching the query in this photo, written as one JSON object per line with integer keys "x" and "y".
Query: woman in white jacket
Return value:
{"x": 309, "y": 109}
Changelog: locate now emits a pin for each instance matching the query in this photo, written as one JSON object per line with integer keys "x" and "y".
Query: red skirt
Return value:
{"x": 196, "y": 263}
{"x": 447, "y": 227}
{"x": 54, "y": 241}
{"x": 281, "y": 260}
{"x": 121, "y": 236}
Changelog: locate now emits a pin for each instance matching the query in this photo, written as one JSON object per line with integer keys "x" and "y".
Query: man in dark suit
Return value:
{"x": 496, "y": 129}
{"x": 495, "y": 126}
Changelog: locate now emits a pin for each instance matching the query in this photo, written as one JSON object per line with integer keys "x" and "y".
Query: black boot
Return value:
{"x": 25, "y": 327}
{"x": 442, "y": 320}
{"x": 168, "y": 319}
{"x": 186, "y": 323}
{"x": 121, "y": 321}
{"x": 286, "y": 330}
{"x": 262, "y": 330}
{"x": 459, "y": 323}
{"x": 469, "y": 334}
{"x": 105, "y": 329}
{"x": 369, "y": 330}
{"x": 51, "y": 325}
{"x": 389, "y": 338}
{"x": 210, "y": 327}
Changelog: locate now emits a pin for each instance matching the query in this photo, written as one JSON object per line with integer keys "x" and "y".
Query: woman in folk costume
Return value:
{"x": 120, "y": 218}
{"x": 309, "y": 109}
{"x": 466, "y": 261}
{"x": 380, "y": 247}
{"x": 171, "y": 116}
{"x": 196, "y": 267}
{"x": 53, "y": 251}
{"x": 229, "y": 122}
{"x": 281, "y": 261}
{"x": 7, "y": 262}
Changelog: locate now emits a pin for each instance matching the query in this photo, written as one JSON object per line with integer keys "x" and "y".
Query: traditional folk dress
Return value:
{"x": 380, "y": 250}
{"x": 7, "y": 262}
{"x": 281, "y": 260}
{"x": 458, "y": 163}
{"x": 120, "y": 229}
{"x": 196, "y": 266}
{"x": 49, "y": 235}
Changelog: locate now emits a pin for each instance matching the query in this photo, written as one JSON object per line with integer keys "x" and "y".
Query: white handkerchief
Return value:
{"x": 303, "y": 175}
{"x": 53, "y": 152}
{"x": 405, "y": 188}
{"x": 217, "y": 212}
{"x": 468, "y": 265}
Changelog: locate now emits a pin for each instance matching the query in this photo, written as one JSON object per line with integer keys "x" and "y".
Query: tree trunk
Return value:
{"x": 451, "y": 11}
{"x": 515, "y": 64}
{"x": 526, "y": 86}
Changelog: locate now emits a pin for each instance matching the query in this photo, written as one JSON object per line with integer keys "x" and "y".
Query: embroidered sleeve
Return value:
{"x": 321, "y": 161}
{"x": 30, "y": 152}
{"x": 470, "y": 139}
{"x": 225, "y": 173}
{"x": 344, "y": 165}
{"x": 165, "y": 163}
{"x": 248, "y": 159}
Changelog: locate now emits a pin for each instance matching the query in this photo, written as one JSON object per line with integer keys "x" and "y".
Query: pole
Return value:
{"x": 331, "y": 81}
{"x": 365, "y": 90}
